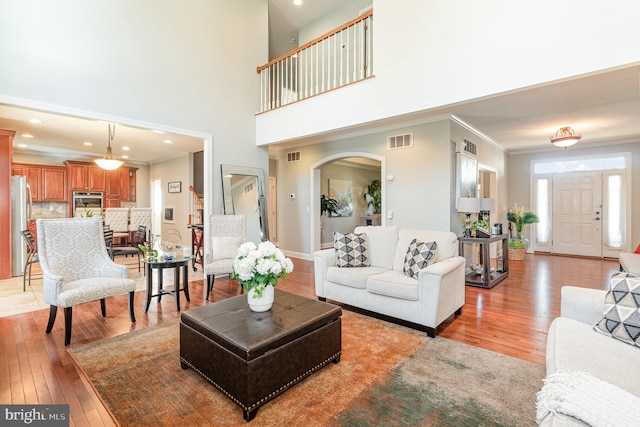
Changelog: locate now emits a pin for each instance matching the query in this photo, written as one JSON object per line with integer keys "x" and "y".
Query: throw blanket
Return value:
{"x": 581, "y": 395}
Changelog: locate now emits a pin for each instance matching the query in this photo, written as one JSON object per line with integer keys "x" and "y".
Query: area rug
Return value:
{"x": 388, "y": 375}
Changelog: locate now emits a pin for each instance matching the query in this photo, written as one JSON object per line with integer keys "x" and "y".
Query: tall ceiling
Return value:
{"x": 603, "y": 107}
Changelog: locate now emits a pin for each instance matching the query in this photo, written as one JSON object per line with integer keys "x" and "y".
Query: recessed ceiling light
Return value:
{"x": 168, "y": 141}
{"x": 297, "y": 2}
{"x": 125, "y": 148}
{"x": 125, "y": 156}
{"x": 34, "y": 120}
{"x": 87, "y": 143}
{"x": 22, "y": 145}
{"x": 26, "y": 135}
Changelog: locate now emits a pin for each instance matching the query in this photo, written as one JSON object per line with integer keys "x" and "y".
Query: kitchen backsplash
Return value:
{"x": 49, "y": 210}
{"x": 60, "y": 209}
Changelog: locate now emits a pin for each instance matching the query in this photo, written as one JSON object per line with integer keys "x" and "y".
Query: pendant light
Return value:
{"x": 108, "y": 162}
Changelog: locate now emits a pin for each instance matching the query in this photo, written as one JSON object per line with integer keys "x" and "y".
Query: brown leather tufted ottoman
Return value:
{"x": 253, "y": 357}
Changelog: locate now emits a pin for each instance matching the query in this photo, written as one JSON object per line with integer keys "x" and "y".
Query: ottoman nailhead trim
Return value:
{"x": 270, "y": 395}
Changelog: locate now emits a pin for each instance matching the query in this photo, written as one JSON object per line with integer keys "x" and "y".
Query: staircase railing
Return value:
{"x": 197, "y": 208}
{"x": 338, "y": 58}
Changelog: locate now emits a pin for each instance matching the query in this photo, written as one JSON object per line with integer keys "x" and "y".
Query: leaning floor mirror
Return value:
{"x": 243, "y": 192}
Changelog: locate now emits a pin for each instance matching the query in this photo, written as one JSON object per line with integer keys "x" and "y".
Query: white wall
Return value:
{"x": 171, "y": 171}
{"x": 429, "y": 54}
{"x": 418, "y": 196}
{"x": 185, "y": 65}
{"x": 346, "y": 12}
{"x": 492, "y": 158}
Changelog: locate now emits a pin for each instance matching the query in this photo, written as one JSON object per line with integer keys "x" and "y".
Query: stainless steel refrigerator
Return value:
{"x": 20, "y": 215}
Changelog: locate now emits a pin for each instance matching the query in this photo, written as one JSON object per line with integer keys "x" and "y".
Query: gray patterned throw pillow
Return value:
{"x": 622, "y": 310}
{"x": 352, "y": 250}
{"x": 419, "y": 255}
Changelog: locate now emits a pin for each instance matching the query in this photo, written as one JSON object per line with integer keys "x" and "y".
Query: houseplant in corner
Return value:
{"x": 258, "y": 269}
{"x": 373, "y": 196}
{"x": 518, "y": 245}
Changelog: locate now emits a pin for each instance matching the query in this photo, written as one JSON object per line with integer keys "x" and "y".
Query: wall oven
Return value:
{"x": 83, "y": 202}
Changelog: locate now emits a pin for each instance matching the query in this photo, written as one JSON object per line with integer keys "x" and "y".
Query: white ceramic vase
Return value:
{"x": 371, "y": 209}
{"x": 263, "y": 303}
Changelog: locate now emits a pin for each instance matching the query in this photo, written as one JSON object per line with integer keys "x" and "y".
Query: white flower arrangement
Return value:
{"x": 256, "y": 267}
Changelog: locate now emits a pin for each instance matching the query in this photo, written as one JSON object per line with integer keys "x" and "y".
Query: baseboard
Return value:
{"x": 300, "y": 255}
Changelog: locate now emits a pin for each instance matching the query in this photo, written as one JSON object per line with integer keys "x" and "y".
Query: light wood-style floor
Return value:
{"x": 512, "y": 318}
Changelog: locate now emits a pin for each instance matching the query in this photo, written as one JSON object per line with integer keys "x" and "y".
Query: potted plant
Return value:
{"x": 257, "y": 269}
{"x": 518, "y": 245}
{"x": 373, "y": 196}
{"x": 328, "y": 205}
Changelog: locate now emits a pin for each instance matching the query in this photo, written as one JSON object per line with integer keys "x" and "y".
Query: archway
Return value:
{"x": 315, "y": 238}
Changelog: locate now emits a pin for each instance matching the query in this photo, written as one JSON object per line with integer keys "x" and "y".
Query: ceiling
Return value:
{"x": 65, "y": 137}
{"x": 603, "y": 107}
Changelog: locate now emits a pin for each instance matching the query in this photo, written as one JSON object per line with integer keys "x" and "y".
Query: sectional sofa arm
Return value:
{"x": 582, "y": 304}
{"x": 443, "y": 267}
{"x": 322, "y": 260}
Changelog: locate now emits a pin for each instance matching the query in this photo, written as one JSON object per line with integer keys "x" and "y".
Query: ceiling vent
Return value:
{"x": 248, "y": 188}
{"x": 293, "y": 156}
{"x": 466, "y": 147}
{"x": 400, "y": 141}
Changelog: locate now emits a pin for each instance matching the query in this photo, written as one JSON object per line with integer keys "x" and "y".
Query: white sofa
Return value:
{"x": 573, "y": 345}
{"x": 630, "y": 262}
{"x": 384, "y": 288}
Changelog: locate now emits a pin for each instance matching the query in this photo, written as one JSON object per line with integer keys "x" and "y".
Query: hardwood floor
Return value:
{"x": 512, "y": 318}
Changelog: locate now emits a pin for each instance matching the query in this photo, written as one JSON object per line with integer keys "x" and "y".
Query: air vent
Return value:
{"x": 293, "y": 156}
{"x": 248, "y": 188}
{"x": 468, "y": 147}
{"x": 400, "y": 141}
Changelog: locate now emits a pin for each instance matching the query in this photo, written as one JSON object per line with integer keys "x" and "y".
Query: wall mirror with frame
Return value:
{"x": 243, "y": 191}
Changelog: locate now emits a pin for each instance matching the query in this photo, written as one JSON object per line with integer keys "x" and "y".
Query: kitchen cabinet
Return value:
{"x": 47, "y": 183}
{"x": 121, "y": 186}
{"x": 128, "y": 184}
{"x": 85, "y": 176}
{"x": 54, "y": 184}
{"x": 34, "y": 178}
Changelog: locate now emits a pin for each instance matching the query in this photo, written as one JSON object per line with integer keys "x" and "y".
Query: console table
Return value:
{"x": 487, "y": 279}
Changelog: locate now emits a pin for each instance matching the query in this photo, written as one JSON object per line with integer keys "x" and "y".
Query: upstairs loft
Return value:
{"x": 338, "y": 58}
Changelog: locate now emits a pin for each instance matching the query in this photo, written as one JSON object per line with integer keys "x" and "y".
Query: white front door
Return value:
{"x": 577, "y": 213}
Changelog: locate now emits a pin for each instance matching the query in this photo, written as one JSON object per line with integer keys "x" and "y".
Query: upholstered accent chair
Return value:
{"x": 77, "y": 268}
{"x": 227, "y": 232}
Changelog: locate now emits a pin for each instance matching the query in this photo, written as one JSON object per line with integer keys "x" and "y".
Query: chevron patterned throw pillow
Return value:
{"x": 419, "y": 255}
{"x": 622, "y": 310}
{"x": 352, "y": 250}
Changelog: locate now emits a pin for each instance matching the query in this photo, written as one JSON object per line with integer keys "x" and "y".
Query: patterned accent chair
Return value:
{"x": 228, "y": 232}
{"x": 76, "y": 268}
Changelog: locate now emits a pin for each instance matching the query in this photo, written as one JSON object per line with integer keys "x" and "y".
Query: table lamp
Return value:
{"x": 487, "y": 205}
{"x": 468, "y": 205}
